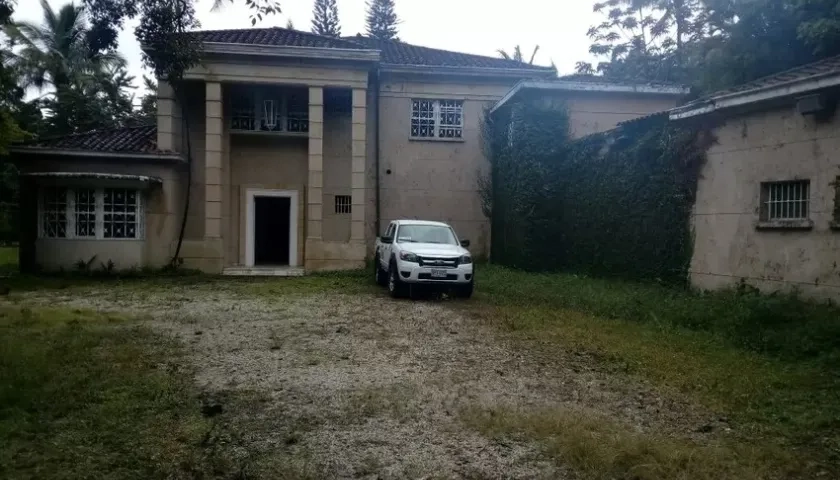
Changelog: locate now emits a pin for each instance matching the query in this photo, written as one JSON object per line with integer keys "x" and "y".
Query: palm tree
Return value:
{"x": 56, "y": 53}
{"x": 517, "y": 54}
{"x": 85, "y": 89}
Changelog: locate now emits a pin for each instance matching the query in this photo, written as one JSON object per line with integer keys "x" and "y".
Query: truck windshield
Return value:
{"x": 426, "y": 234}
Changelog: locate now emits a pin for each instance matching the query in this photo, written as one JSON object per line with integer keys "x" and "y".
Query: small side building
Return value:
{"x": 768, "y": 198}
{"x": 125, "y": 195}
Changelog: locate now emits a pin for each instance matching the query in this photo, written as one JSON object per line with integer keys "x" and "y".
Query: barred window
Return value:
{"x": 112, "y": 213}
{"x": 120, "y": 213}
{"x": 785, "y": 200}
{"x": 54, "y": 212}
{"x": 437, "y": 118}
{"x": 343, "y": 204}
{"x": 85, "y": 212}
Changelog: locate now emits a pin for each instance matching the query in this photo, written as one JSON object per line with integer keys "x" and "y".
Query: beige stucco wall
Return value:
{"x": 752, "y": 148}
{"x": 432, "y": 179}
{"x": 279, "y": 72}
{"x": 263, "y": 162}
{"x": 337, "y": 173}
{"x": 419, "y": 178}
{"x": 438, "y": 180}
{"x": 164, "y": 207}
{"x": 594, "y": 112}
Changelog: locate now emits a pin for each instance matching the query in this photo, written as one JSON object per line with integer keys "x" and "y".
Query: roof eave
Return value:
{"x": 757, "y": 95}
{"x": 574, "y": 86}
{"x": 172, "y": 157}
{"x": 467, "y": 71}
{"x": 321, "y": 53}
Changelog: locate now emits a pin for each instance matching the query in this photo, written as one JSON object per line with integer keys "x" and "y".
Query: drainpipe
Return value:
{"x": 376, "y": 85}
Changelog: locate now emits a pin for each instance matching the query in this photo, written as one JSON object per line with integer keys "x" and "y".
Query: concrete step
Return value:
{"x": 264, "y": 271}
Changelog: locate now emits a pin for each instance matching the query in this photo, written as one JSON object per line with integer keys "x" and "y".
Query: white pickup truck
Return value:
{"x": 417, "y": 252}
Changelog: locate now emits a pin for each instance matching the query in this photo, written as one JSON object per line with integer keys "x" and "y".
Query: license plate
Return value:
{"x": 438, "y": 273}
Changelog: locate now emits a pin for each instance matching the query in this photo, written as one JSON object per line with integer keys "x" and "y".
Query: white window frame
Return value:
{"x": 99, "y": 212}
{"x": 436, "y": 119}
{"x": 785, "y": 201}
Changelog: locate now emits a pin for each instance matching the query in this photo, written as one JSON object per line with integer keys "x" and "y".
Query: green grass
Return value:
{"x": 348, "y": 282}
{"x": 596, "y": 447}
{"x": 768, "y": 363}
{"x": 84, "y": 395}
{"x": 8, "y": 260}
{"x": 780, "y": 326}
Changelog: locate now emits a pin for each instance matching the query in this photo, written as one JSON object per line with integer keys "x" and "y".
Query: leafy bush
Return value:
{"x": 613, "y": 204}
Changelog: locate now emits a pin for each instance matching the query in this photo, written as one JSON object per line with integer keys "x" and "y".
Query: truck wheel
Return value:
{"x": 379, "y": 275}
{"x": 395, "y": 286}
{"x": 465, "y": 291}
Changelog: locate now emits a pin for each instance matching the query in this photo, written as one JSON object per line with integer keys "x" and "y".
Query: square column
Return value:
{"x": 213, "y": 162}
{"x": 359, "y": 156}
{"x": 214, "y": 256}
{"x": 315, "y": 196}
{"x": 168, "y": 119}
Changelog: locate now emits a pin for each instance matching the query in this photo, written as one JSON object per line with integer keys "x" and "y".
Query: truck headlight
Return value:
{"x": 465, "y": 260}
{"x": 409, "y": 257}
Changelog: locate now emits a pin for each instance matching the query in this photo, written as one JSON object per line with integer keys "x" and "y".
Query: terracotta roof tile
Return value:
{"x": 274, "y": 37}
{"x": 393, "y": 52}
{"x": 142, "y": 139}
{"x": 400, "y": 53}
{"x": 804, "y": 72}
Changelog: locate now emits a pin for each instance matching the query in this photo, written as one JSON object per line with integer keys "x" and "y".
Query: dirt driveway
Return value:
{"x": 328, "y": 385}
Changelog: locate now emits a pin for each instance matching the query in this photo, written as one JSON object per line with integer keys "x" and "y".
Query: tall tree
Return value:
{"x": 644, "y": 39}
{"x": 819, "y": 25}
{"x": 86, "y": 89}
{"x": 382, "y": 19}
{"x": 517, "y": 54}
{"x": 11, "y": 94}
{"x": 325, "y": 18}
{"x": 147, "y": 114}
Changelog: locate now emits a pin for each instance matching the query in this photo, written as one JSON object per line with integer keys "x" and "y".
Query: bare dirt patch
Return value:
{"x": 365, "y": 387}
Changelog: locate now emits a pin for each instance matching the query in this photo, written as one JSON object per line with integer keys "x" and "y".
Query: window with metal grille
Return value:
{"x": 437, "y": 118}
{"x": 54, "y": 212}
{"x": 85, "y": 212}
{"x": 785, "y": 200}
{"x": 343, "y": 204}
{"x": 119, "y": 209}
{"x": 112, "y": 213}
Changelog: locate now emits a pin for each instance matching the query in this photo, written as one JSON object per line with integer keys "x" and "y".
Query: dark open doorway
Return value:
{"x": 272, "y": 221}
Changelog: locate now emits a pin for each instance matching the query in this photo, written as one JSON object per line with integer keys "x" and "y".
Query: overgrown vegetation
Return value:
{"x": 710, "y": 44}
{"x": 81, "y": 394}
{"x": 766, "y": 363}
{"x": 613, "y": 204}
{"x": 596, "y": 447}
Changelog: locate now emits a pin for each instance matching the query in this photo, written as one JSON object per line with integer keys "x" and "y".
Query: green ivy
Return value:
{"x": 612, "y": 204}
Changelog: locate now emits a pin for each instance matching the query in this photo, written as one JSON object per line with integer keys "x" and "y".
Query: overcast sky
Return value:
{"x": 474, "y": 26}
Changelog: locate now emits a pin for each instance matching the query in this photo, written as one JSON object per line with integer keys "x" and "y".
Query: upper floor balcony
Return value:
{"x": 256, "y": 109}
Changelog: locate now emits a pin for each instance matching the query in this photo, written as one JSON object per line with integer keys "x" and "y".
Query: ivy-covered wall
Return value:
{"x": 612, "y": 204}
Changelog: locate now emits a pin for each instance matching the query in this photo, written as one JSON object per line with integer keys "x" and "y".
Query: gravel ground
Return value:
{"x": 366, "y": 387}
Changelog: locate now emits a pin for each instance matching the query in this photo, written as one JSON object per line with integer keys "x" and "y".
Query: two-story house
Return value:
{"x": 286, "y": 151}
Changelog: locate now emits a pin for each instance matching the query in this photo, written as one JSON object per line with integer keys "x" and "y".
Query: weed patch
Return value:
{"x": 596, "y": 447}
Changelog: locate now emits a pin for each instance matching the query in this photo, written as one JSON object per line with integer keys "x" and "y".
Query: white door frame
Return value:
{"x": 250, "y": 195}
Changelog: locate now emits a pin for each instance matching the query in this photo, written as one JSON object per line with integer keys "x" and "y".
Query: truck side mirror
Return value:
{"x": 386, "y": 240}
{"x": 465, "y": 243}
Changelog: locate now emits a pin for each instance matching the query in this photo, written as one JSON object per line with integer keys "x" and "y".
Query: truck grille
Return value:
{"x": 428, "y": 276}
{"x": 439, "y": 262}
